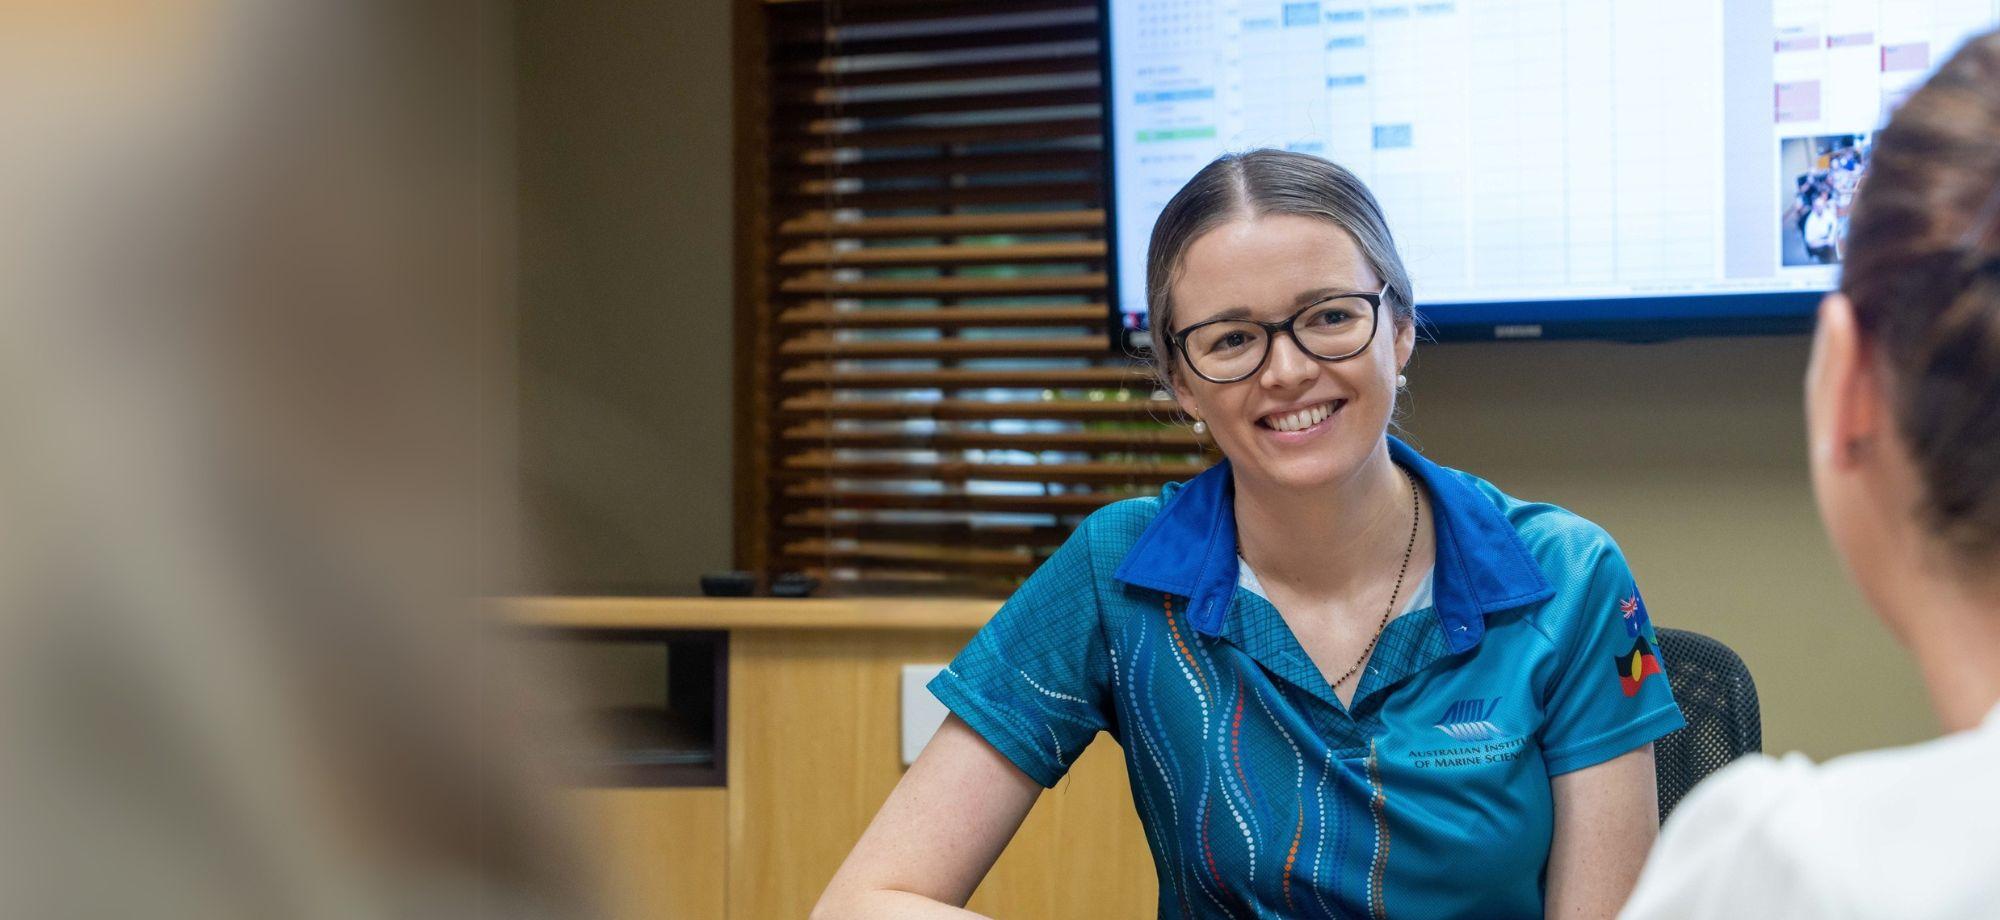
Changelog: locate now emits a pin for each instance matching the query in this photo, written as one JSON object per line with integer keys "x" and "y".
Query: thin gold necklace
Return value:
{"x": 1416, "y": 515}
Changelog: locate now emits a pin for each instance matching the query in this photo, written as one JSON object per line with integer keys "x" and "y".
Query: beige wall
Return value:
{"x": 623, "y": 153}
{"x": 1691, "y": 453}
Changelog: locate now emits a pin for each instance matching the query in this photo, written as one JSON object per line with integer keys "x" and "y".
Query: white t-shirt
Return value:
{"x": 1910, "y": 833}
{"x": 1820, "y": 227}
{"x": 1423, "y": 595}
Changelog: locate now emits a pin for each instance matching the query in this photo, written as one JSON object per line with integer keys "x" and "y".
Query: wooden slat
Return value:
{"x": 865, "y": 13}
{"x": 820, "y": 254}
{"x": 818, "y": 313}
{"x": 935, "y": 570}
{"x": 815, "y": 148}
{"x": 814, "y": 87}
{"x": 804, "y": 114}
{"x": 820, "y": 346}
{"x": 967, "y": 67}
{"x": 931, "y": 554}
{"x": 813, "y": 195}
{"x": 841, "y": 67}
{"x": 915, "y": 584}
{"x": 797, "y": 525}
{"x": 923, "y": 576}
{"x": 1163, "y": 439}
{"x": 839, "y": 131}
{"x": 817, "y": 404}
{"x": 817, "y": 54}
{"x": 913, "y": 10}
{"x": 822, "y": 285}
{"x": 1077, "y": 503}
{"x": 952, "y": 165}
{"x": 884, "y": 11}
{"x": 817, "y": 224}
{"x": 816, "y": 522}
{"x": 821, "y": 463}
{"x": 960, "y": 378}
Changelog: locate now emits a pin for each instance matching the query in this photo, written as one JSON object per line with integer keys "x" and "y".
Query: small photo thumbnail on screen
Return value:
{"x": 1821, "y": 175}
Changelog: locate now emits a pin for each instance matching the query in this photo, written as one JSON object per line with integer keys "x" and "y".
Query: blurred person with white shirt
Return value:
{"x": 1903, "y": 418}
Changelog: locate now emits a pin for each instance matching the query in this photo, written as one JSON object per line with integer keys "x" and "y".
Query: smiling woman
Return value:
{"x": 1244, "y": 273}
{"x": 1348, "y": 681}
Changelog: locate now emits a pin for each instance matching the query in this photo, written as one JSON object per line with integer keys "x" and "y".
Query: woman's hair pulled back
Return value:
{"x": 1923, "y": 272}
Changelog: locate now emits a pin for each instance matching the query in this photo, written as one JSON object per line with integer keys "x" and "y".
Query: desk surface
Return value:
{"x": 898, "y": 613}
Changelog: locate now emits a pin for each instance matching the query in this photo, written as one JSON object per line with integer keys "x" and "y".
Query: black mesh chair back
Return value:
{"x": 1720, "y": 702}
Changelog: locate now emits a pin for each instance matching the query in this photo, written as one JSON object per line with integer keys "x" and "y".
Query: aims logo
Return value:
{"x": 1467, "y": 720}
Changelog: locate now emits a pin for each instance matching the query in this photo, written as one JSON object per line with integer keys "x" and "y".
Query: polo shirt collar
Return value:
{"x": 1482, "y": 567}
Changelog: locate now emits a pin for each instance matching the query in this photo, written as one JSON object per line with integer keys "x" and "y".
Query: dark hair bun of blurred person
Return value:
{"x": 1923, "y": 271}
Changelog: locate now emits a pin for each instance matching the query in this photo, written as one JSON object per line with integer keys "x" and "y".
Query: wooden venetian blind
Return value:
{"x": 931, "y": 399}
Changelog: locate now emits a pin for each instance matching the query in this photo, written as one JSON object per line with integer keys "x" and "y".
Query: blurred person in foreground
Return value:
{"x": 1903, "y": 419}
{"x": 242, "y": 493}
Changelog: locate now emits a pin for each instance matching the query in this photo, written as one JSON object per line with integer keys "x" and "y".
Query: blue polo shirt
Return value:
{"x": 1260, "y": 793}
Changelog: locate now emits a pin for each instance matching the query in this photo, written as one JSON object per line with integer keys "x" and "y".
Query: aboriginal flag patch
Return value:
{"x": 1636, "y": 665}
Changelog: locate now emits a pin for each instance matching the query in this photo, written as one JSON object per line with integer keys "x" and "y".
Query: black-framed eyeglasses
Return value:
{"x": 1333, "y": 328}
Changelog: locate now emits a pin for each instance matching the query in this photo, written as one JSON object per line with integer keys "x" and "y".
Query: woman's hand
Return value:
{"x": 940, "y": 831}
{"x": 1606, "y": 817}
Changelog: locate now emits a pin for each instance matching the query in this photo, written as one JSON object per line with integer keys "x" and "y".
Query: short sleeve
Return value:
{"x": 1035, "y": 682}
{"x": 1610, "y": 693}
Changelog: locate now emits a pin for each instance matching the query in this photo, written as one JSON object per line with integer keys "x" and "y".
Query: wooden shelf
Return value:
{"x": 677, "y": 738}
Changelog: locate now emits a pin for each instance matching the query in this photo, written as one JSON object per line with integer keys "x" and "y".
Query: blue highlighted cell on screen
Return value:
{"x": 1338, "y": 81}
{"x": 1301, "y": 14}
{"x": 1390, "y": 137}
{"x": 1345, "y": 15}
{"x": 1190, "y": 94}
{"x": 1346, "y": 41}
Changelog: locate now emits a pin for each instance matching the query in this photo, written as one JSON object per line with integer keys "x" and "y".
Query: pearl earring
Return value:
{"x": 1200, "y": 428}
{"x": 1402, "y": 382}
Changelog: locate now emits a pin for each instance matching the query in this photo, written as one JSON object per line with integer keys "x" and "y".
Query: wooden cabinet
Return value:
{"x": 812, "y": 732}
{"x": 662, "y": 851}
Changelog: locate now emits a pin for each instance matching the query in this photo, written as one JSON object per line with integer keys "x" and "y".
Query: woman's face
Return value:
{"x": 1266, "y": 269}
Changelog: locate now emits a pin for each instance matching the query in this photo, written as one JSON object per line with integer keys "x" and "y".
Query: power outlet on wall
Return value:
{"x": 922, "y": 713}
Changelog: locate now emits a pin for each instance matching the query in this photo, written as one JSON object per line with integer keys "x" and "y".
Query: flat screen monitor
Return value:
{"x": 1618, "y": 168}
